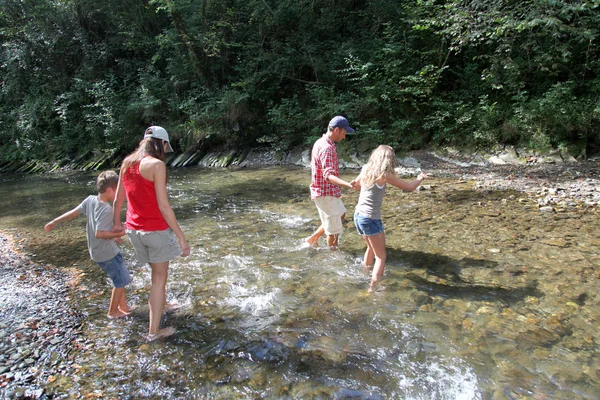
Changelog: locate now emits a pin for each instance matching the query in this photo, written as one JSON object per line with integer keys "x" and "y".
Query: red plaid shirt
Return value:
{"x": 323, "y": 163}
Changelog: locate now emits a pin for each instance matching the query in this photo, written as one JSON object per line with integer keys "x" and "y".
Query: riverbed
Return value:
{"x": 485, "y": 295}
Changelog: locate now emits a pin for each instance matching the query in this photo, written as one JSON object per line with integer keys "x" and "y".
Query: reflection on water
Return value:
{"x": 477, "y": 302}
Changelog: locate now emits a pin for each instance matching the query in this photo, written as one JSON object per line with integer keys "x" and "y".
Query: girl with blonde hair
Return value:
{"x": 373, "y": 178}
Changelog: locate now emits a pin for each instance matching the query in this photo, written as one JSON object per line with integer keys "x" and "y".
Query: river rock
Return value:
{"x": 536, "y": 337}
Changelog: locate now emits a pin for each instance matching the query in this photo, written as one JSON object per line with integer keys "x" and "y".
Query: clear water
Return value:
{"x": 484, "y": 297}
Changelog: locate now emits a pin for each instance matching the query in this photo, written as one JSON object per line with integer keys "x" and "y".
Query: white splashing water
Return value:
{"x": 448, "y": 381}
{"x": 248, "y": 300}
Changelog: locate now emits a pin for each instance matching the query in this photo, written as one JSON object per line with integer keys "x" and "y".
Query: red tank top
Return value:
{"x": 143, "y": 213}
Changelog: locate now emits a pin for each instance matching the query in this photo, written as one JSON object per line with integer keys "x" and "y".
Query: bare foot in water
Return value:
{"x": 161, "y": 333}
{"x": 374, "y": 286}
{"x": 118, "y": 314}
{"x": 126, "y": 310}
{"x": 172, "y": 306}
{"x": 311, "y": 243}
{"x": 367, "y": 268}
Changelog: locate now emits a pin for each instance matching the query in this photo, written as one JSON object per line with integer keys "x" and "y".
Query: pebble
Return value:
{"x": 34, "y": 303}
{"x": 548, "y": 184}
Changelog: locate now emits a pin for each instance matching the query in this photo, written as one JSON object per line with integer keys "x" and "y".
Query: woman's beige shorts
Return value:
{"x": 154, "y": 246}
{"x": 331, "y": 210}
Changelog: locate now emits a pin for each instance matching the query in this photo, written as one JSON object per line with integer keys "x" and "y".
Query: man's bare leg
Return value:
{"x": 314, "y": 238}
{"x": 333, "y": 240}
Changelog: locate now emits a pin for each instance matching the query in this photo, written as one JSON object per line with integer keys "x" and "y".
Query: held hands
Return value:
{"x": 118, "y": 228}
{"x": 355, "y": 184}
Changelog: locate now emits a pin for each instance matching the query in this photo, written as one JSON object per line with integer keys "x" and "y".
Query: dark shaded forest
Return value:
{"x": 82, "y": 78}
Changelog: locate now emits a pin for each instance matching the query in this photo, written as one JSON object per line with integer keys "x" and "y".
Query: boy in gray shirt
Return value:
{"x": 101, "y": 238}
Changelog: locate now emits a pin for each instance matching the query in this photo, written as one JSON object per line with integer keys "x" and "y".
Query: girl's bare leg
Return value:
{"x": 369, "y": 259}
{"x": 377, "y": 243}
{"x": 160, "y": 273}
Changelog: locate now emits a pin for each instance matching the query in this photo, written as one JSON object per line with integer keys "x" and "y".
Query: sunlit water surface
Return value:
{"x": 467, "y": 310}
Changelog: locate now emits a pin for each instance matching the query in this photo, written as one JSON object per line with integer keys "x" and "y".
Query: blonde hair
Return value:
{"x": 106, "y": 180}
{"x": 381, "y": 161}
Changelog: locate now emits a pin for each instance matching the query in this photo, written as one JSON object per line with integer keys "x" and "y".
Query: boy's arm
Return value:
{"x": 69, "y": 215}
{"x": 108, "y": 234}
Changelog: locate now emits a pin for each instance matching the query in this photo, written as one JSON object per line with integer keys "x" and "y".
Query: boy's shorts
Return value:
{"x": 117, "y": 271}
{"x": 331, "y": 210}
{"x": 367, "y": 226}
{"x": 154, "y": 246}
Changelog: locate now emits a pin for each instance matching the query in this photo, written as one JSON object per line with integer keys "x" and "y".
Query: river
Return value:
{"x": 484, "y": 296}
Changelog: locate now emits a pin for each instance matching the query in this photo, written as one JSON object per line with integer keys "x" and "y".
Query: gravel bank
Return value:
{"x": 38, "y": 326}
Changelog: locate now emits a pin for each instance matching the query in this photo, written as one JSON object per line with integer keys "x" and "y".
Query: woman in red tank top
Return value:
{"x": 151, "y": 223}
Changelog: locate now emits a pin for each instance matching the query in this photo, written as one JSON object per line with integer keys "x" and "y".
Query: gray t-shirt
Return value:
{"x": 369, "y": 201}
{"x": 99, "y": 215}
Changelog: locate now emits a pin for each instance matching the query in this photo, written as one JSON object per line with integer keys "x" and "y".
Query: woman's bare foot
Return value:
{"x": 118, "y": 314}
{"x": 172, "y": 306}
{"x": 161, "y": 333}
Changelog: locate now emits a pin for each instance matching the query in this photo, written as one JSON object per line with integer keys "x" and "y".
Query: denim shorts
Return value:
{"x": 367, "y": 226}
{"x": 117, "y": 271}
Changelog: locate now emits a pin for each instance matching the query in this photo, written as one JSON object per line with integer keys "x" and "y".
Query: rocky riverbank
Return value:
{"x": 555, "y": 181}
{"x": 38, "y": 323}
{"x": 554, "y": 184}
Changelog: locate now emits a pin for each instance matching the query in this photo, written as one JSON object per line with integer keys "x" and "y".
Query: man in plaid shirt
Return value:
{"x": 325, "y": 183}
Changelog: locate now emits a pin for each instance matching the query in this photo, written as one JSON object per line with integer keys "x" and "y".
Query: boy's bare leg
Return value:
{"x": 123, "y": 306}
{"x": 312, "y": 239}
{"x": 160, "y": 273}
{"x": 115, "y": 300}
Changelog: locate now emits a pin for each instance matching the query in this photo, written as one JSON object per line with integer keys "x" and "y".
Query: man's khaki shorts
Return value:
{"x": 154, "y": 246}
{"x": 331, "y": 210}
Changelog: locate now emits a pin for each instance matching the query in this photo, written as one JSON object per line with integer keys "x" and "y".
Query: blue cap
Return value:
{"x": 340, "y": 122}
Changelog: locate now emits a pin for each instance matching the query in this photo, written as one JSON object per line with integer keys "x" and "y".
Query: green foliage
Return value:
{"x": 81, "y": 76}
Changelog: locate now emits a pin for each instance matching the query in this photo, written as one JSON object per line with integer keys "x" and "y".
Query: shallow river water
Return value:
{"x": 484, "y": 296}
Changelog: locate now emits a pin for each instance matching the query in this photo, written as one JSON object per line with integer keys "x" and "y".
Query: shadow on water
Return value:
{"x": 448, "y": 270}
{"x": 470, "y": 196}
